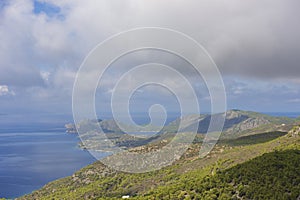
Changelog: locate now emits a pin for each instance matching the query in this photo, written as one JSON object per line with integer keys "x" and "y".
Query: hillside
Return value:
{"x": 237, "y": 123}
{"x": 217, "y": 176}
{"x": 273, "y": 175}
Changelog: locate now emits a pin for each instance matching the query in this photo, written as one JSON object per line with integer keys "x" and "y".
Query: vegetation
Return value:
{"x": 254, "y": 139}
{"x": 273, "y": 175}
{"x": 250, "y": 167}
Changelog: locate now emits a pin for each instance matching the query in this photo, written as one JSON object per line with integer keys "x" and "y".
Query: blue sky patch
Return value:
{"x": 49, "y": 9}
{"x": 3, "y": 3}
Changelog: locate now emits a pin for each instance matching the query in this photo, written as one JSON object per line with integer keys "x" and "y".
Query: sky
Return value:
{"x": 254, "y": 43}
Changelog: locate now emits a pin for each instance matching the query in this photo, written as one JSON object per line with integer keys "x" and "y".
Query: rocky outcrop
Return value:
{"x": 295, "y": 131}
{"x": 248, "y": 123}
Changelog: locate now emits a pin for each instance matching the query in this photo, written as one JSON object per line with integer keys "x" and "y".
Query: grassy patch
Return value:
{"x": 253, "y": 139}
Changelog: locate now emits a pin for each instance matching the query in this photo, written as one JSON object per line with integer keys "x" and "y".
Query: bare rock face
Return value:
{"x": 295, "y": 131}
{"x": 231, "y": 114}
{"x": 248, "y": 123}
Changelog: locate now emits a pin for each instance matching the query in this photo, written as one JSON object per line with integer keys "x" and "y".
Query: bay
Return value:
{"x": 29, "y": 160}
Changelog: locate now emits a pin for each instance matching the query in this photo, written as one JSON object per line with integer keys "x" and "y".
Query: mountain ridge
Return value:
{"x": 232, "y": 117}
{"x": 237, "y": 123}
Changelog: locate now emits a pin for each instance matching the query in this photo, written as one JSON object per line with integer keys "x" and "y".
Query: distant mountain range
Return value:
{"x": 236, "y": 122}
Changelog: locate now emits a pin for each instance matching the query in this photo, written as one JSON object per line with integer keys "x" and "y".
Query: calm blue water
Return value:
{"x": 284, "y": 114}
{"x": 30, "y": 160}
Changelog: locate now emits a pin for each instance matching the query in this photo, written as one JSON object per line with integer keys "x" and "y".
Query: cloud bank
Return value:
{"x": 255, "y": 44}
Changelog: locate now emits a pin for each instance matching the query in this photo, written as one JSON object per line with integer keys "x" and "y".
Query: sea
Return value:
{"x": 30, "y": 157}
{"x": 284, "y": 114}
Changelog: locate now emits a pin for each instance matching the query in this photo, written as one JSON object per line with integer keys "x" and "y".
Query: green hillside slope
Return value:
{"x": 273, "y": 175}
{"x": 232, "y": 170}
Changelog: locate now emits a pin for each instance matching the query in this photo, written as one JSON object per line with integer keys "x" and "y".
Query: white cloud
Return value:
{"x": 243, "y": 37}
{"x": 45, "y": 75}
{"x": 247, "y": 38}
{"x": 4, "y": 90}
